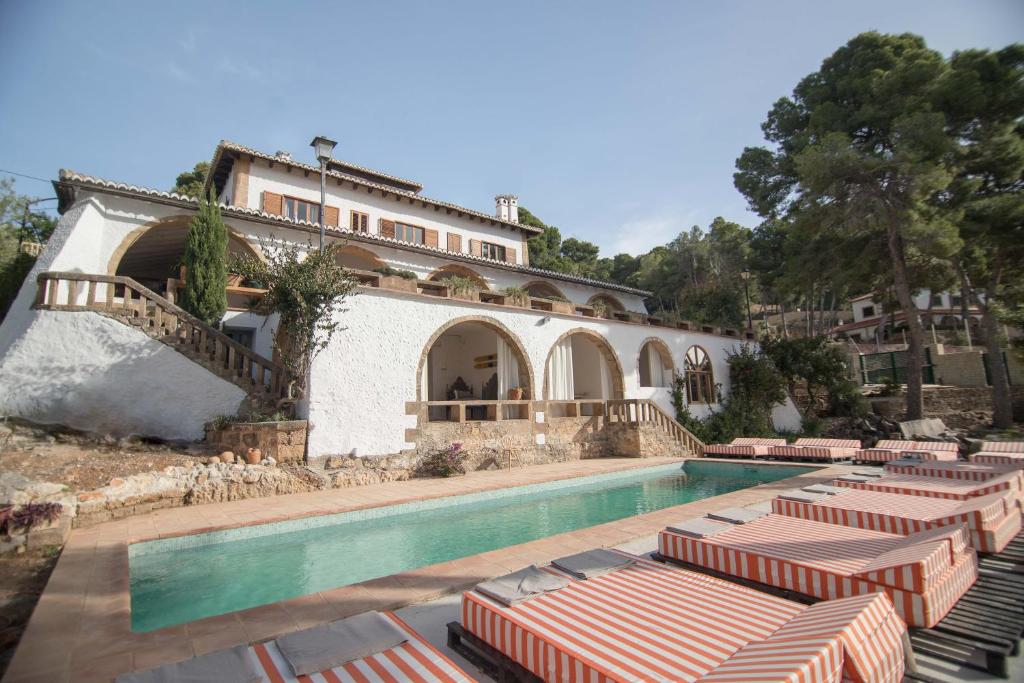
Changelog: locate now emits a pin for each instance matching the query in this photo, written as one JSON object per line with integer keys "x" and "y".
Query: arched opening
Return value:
{"x": 357, "y": 258}
{"x": 609, "y": 302}
{"x": 700, "y": 378}
{"x": 544, "y": 290}
{"x": 474, "y": 359}
{"x": 455, "y": 270}
{"x": 582, "y": 366}
{"x": 152, "y": 255}
{"x": 655, "y": 364}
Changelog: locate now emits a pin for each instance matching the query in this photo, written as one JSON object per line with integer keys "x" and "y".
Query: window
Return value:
{"x": 700, "y": 381}
{"x": 867, "y": 311}
{"x": 957, "y": 301}
{"x": 492, "y": 251}
{"x": 299, "y": 210}
{"x": 936, "y": 300}
{"x": 359, "y": 222}
{"x": 409, "y": 233}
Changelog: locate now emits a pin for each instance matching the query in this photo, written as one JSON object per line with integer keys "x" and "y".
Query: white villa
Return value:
{"x": 95, "y": 341}
{"x": 941, "y": 310}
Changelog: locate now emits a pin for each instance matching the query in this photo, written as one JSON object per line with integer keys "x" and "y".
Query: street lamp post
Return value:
{"x": 323, "y": 148}
{"x": 745, "y": 275}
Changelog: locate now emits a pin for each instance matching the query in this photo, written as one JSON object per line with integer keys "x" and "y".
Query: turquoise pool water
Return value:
{"x": 182, "y": 579}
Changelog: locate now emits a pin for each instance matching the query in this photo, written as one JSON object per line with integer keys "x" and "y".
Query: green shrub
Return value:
{"x": 446, "y": 462}
{"x": 12, "y": 275}
{"x": 460, "y": 284}
{"x": 388, "y": 271}
{"x": 517, "y": 296}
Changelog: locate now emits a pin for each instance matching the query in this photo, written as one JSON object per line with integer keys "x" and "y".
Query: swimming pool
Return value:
{"x": 181, "y": 579}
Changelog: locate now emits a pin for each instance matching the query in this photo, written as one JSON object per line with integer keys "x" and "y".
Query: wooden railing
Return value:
{"x": 639, "y": 410}
{"x": 125, "y": 299}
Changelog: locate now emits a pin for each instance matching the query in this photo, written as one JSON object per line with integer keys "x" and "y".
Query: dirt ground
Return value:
{"x": 83, "y": 462}
{"x": 83, "y": 467}
{"x": 22, "y": 579}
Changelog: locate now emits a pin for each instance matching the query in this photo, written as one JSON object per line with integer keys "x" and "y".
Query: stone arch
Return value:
{"x": 606, "y": 350}
{"x": 156, "y": 244}
{"x": 526, "y": 378}
{"x": 357, "y": 258}
{"x": 462, "y": 271}
{"x": 663, "y": 351}
{"x": 544, "y": 290}
{"x": 610, "y": 301}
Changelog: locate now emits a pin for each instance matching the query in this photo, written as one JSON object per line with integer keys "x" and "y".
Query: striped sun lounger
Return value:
{"x": 950, "y": 470}
{"x": 414, "y": 660}
{"x": 1000, "y": 453}
{"x": 887, "y": 450}
{"x": 924, "y": 574}
{"x": 936, "y": 487}
{"x": 651, "y": 622}
{"x": 991, "y": 520}
{"x": 817, "y": 449}
{"x": 744, "y": 446}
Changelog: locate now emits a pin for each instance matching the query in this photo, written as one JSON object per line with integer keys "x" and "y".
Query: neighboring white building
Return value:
{"x": 941, "y": 310}
{"x": 94, "y": 340}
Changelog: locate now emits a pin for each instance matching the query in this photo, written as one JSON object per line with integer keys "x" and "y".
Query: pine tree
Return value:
{"x": 205, "y": 261}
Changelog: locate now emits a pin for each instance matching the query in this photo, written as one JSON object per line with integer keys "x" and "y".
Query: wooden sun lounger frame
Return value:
{"x": 491, "y": 661}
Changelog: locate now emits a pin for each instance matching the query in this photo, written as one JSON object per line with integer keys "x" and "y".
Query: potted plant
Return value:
{"x": 517, "y": 296}
{"x": 515, "y": 394}
{"x": 395, "y": 278}
{"x": 559, "y": 304}
{"x": 461, "y": 287}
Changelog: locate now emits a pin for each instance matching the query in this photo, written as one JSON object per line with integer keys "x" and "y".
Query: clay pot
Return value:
{"x": 253, "y": 456}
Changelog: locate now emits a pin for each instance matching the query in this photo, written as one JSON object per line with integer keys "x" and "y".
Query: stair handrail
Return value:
{"x": 695, "y": 445}
{"x": 638, "y": 410}
{"x": 46, "y": 300}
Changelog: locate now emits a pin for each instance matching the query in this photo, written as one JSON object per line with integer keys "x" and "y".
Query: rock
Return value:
{"x": 213, "y": 460}
{"x": 88, "y": 496}
{"x": 227, "y": 456}
{"x": 333, "y": 462}
{"x": 271, "y": 462}
{"x": 115, "y": 482}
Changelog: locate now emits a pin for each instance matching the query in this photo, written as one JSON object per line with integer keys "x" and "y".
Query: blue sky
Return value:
{"x": 618, "y": 122}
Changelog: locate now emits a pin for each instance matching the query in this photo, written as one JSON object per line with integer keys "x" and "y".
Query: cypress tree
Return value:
{"x": 205, "y": 260}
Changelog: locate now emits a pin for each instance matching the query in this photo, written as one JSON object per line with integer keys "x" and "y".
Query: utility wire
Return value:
{"x": 22, "y": 175}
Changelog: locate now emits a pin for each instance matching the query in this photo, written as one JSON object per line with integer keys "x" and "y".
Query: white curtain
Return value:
{"x": 560, "y": 378}
{"x": 656, "y": 369}
{"x": 606, "y": 377}
{"x": 508, "y": 369}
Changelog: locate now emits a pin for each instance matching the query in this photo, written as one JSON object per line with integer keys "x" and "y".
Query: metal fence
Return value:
{"x": 891, "y": 366}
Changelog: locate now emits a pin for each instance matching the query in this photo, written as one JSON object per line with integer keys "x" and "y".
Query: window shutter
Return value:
{"x": 455, "y": 242}
{"x": 333, "y": 216}
{"x": 387, "y": 228}
{"x": 510, "y": 255}
{"x": 474, "y": 247}
{"x": 273, "y": 203}
{"x": 430, "y": 237}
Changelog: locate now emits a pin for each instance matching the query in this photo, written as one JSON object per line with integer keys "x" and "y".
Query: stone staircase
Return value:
{"x": 648, "y": 416}
{"x": 123, "y": 299}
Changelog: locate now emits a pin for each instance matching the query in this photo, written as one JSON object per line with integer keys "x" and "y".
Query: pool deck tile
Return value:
{"x": 81, "y": 628}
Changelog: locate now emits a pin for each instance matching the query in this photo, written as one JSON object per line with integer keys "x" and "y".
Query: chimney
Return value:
{"x": 507, "y": 207}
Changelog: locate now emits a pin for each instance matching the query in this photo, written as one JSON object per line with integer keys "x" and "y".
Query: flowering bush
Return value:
{"x": 446, "y": 462}
{"x": 29, "y": 515}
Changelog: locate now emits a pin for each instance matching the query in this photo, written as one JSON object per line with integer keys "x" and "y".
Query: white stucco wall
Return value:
{"x": 360, "y": 384}
{"x": 93, "y": 373}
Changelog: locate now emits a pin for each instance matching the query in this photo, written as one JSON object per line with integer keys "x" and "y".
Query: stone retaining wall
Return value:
{"x": 283, "y": 441}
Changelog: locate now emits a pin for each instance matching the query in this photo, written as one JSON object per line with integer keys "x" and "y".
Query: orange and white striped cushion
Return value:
{"x": 829, "y": 443}
{"x": 823, "y": 560}
{"x": 897, "y": 445}
{"x": 414, "y": 660}
{"x": 789, "y": 660}
{"x": 1002, "y": 447}
{"x": 1015, "y": 459}
{"x": 644, "y": 622}
{"x": 990, "y": 519}
{"x": 950, "y": 470}
{"x": 811, "y": 452}
{"x": 885, "y": 455}
{"x": 757, "y": 441}
{"x": 935, "y": 487}
{"x": 734, "y": 449}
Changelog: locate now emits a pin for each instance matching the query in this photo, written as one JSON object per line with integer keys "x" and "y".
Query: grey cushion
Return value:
{"x": 699, "y": 527}
{"x": 591, "y": 563}
{"x": 737, "y": 515}
{"x": 330, "y": 645}
{"x": 522, "y": 585}
{"x": 826, "y": 489}
{"x": 803, "y": 496}
{"x": 224, "y": 666}
{"x": 875, "y": 474}
{"x": 855, "y": 478}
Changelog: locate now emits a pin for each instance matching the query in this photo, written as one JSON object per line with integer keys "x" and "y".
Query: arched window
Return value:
{"x": 655, "y": 364}
{"x": 700, "y": 380}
